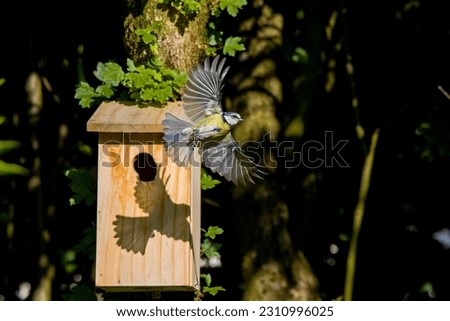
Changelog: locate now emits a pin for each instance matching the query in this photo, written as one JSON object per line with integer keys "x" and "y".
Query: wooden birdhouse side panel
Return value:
{"x": 147, "y": 231}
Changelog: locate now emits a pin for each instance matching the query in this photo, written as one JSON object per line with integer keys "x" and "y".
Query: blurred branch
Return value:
{"x": 358, "y": 217}
{"x": 446, "y": 94}
{"x": 349, "y": 68}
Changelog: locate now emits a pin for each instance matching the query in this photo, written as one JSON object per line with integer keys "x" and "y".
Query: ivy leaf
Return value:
{"x": 179, "y": 80}
{"x": 212, "y": 290}
{"x": 86, "y": 246}
{"x": 214, "y": 35}
{"x": 232, "y": 6}
{"x": 207, "y": 278}
{"x": 210, "y": 249}
{"x": 192, "y": 5}
{"x": 110, "y": 73}
{"x": 154, "y": 48}
{"x": 207, "y": 181}
{"x": 232, "y": 44}
{"x": 83, "y": 185}
{"x": 215, "y": 12}
{"x": 130, "y": 65}
{"x": 160, "y": 95}
{"x": 81, "y": 293}
{"x": 147, "y": 35}
{"x": 210, "y": 51}
{"x": 136, "y": 80}
{"x": 213, "y": 231}
{"x": 86, "y": 94}
{"x": 156, "y": 62}
{"x": 104, "y": 90}
{"x": 163, "y": 94}
{"x": 150, "y": 82}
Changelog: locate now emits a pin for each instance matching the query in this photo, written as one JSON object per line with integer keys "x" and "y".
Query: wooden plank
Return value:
{"x": 195, "y": 202}
{"x": 114, "y": 117}
{"x": 148, "y": 233}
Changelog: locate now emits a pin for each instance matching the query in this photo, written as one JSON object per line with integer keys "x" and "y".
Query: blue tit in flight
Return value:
{"x": 208, "y": 127}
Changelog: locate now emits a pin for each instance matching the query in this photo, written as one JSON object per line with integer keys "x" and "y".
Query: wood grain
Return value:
{"x": 119, "y": 117}
{"x": 148, "y": 233}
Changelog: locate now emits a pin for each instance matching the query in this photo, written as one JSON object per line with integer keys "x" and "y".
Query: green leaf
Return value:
{"x": 215, "y": 12}
{"x": 426, "y": 287}
{"x": 213, "y": 231}
{"x": 214, "y": 35}
{"x": 156, "y": 62}
{"x": 130, "y": 65}
{"x": 8, "y": 169}
{"x": 160, "y": 95}
{"x": 146, "y": 35}
{"x": 68, "y": 261}
{"x": 84, "y": 149}
{"x": 139, "y": 79}
{"x": 179, "y": 80}
{"x": 300, "y": 55}
{"x": 2, "y": 119}
{"x": 210, "y": 249}
{"x": 154, "y": 48}
{"x": 4, "y": 217}
{"x": 192, "y": 6}
{"x": 104, "y": 90}
{"x": 212, "y": 40}
{"x": 207, "y": 278}
{"x": 110, "y": 73}
{"x": 232, "y": 6}
{"x": 207, "y": 181}
{"x": 8, "y": 145}
{"x": 232, "y": 44}
{"x": 212, "y": 290}
{"x": 86, "y": 94}
{"x": 81, "y": 293}
{"x": 150, "y": 82}
{"x": 211, "y": 51}
{"x": 86, "y": 246}
{"x": 83, "y": 185}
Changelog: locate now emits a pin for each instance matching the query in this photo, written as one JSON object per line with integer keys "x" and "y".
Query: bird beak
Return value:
{"x": 241, "y": 119}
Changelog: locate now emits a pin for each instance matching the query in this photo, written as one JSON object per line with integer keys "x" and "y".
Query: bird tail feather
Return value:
{"x": 178, "y": 140}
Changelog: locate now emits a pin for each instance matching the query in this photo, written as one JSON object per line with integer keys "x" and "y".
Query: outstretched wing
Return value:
{"x": 229, "y": 160}
{"x": 202, "y": 94}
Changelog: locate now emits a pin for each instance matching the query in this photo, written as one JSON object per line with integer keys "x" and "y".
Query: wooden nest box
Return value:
{"x": 148, "y": 208}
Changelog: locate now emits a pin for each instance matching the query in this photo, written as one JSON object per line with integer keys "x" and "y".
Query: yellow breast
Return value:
{"x": 213, "y": 124}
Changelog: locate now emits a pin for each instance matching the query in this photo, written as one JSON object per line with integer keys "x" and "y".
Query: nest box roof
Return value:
{"x": 114, "y": 117}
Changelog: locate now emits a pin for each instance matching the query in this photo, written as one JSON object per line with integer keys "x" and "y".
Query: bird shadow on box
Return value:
{"x": 165, "y": 219}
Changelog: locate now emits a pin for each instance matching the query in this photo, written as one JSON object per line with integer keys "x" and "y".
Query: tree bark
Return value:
{"x": 272, "y": 268}
{"x": 182, "y": 39}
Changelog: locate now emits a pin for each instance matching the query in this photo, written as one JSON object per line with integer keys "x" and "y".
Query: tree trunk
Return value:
{"x": 182, "y": 39}
{"x": 272, "y": 268}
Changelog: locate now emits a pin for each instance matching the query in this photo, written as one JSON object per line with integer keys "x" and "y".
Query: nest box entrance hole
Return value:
{"x": 145, "y": 166}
